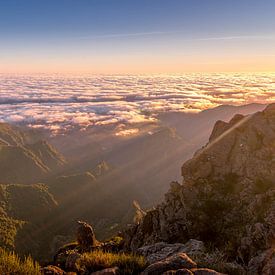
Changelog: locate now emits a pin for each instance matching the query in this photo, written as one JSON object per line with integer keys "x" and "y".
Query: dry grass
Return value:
{"x": 11, "y": 264}
{"x": 98, "y": 260}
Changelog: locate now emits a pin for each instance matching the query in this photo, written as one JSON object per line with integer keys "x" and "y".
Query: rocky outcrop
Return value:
{"x": 160, "y": 251}
{"x": 86, "y": 236}
{"x": 227, "y": 198}
{"x": 244, "y": 146}
{"x": 174, "y": 262}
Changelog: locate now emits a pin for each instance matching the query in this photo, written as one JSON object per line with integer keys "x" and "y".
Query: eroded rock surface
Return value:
{"x": 227, "y": 198}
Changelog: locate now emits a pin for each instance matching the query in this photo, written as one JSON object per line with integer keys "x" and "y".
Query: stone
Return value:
{"x": 52, "y": 270}
{"x": 159, "y": 251}
{"x": 205, "y": 271}
{"x": 174, "y": 262}
{"x": 106, "y": 271}
{"x": 182, "y": 271}
{"x": 85, "y": 235}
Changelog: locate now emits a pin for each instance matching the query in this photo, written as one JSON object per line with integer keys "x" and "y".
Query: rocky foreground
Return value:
{"x": 222, "y": 217}
{"x": 159, "y": 258}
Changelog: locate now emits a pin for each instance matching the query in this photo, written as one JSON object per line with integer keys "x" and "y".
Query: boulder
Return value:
{"x": 106, "y": 271}
{"x": 52, "y": 270}
{"x": 204, "y": 271}
{"x": 174, "y": 262}
{"x": 182, "y": 271}
{"x": 159, "y": 251}
{"x": 86, "y": 236}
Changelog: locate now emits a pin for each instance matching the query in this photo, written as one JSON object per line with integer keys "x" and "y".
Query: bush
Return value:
{"x": 98, "y": 260}
{"x": 11, "y": 264}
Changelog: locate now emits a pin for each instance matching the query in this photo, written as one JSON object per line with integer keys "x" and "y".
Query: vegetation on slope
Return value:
{"x": 11, "y": 264}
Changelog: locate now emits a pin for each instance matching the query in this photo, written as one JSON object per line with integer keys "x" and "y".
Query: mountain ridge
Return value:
{"x": 227, "y": 198}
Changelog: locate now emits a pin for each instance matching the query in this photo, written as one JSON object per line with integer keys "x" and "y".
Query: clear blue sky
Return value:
{"x": 115, "y": 35}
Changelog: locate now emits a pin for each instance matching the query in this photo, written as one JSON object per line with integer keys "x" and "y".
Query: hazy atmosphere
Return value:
{"x": 137, "y": 137}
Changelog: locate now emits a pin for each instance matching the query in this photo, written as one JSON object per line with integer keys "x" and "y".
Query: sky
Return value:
{"x": 136, "y": 37}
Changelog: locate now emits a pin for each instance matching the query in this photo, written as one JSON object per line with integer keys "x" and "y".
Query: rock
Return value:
{"x": 234, "y": 268}
{"x": 204, "y": 271}
{"x": 175, "y": 262}
{"x": 227, "y": 198}
{"x": 52, "y": 270}
{"x": 107, "y": 271}
{"x": 159, "y": 251}
{"x": 263, "y": 264}
{"x": 86, "y": 236}
{"x": 182, "y": 271}
{"x": 71, "y": 261}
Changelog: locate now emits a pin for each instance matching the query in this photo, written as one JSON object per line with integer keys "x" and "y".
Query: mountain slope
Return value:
{"x": 24, "y": 208}
{"x": 227, "y": 198}
{"x": 23, "y": 159}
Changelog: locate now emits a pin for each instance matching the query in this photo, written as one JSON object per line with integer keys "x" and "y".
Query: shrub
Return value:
{"x": 98, "y": 260}
{"x": 11, "y": 264}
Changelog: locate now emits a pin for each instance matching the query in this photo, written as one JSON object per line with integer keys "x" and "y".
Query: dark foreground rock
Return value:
{"x": 174, "y": 262}
{"x": 86, "y": 236}
{"x": 160, "y": 251}
{"x": 52, "y": 270}
{"x": 107, "y": 271}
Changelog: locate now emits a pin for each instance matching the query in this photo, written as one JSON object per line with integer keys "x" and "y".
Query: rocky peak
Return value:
{"x": 244, "y": 146}
{"x": 220, "y": 126}
{"x": 226, "y": 198}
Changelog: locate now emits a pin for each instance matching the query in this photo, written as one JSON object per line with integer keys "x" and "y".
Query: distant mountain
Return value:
{"x": 227, "y": 198}
{"x": 197, "y": 127}
{"x": 23, "y": 159}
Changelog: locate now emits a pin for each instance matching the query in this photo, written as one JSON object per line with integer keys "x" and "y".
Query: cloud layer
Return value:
{"x": 56, "y": 102}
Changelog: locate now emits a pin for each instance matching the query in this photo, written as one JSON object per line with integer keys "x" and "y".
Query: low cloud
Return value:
{"x": 62, "y": 102}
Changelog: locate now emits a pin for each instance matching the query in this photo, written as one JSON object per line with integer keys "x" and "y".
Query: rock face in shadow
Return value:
{"x": 174, "y": 262}
{"x": 227, "y": 198}
{"x": 85, "y": 236}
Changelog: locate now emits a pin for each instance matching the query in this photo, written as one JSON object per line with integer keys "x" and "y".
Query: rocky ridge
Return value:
{"x": 227, "y": 198}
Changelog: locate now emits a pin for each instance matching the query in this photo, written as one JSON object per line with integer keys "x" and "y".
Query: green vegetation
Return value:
{"x": 8, "y": 231}
{"x": 98, "y": 260}
{"x": 24, "y": 209}
{"x": 11, "y": 264}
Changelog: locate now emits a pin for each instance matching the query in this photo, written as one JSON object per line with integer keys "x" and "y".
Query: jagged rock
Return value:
{"x": 174, "y": 262}
{"x": 244, "y": 146}
{"x": 227, "y": 198}
{"x": 182, "y": 271}
{"x": 204, "y": 271}
{"x": 52, "y": 270}
{"x": 106, "y": 271}
{"x": 159, "y": 251}
{"x": 86, "y": 236}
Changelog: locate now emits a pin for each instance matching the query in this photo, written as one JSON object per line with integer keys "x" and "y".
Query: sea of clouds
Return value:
{"x": 59, "y": 102}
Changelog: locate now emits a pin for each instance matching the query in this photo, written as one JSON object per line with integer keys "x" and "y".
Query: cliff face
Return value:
{"x": 227, "y": 198}
{"x": 245, "y": 146}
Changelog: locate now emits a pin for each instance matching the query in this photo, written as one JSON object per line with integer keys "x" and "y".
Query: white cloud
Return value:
{"x": 62, "y": 102}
